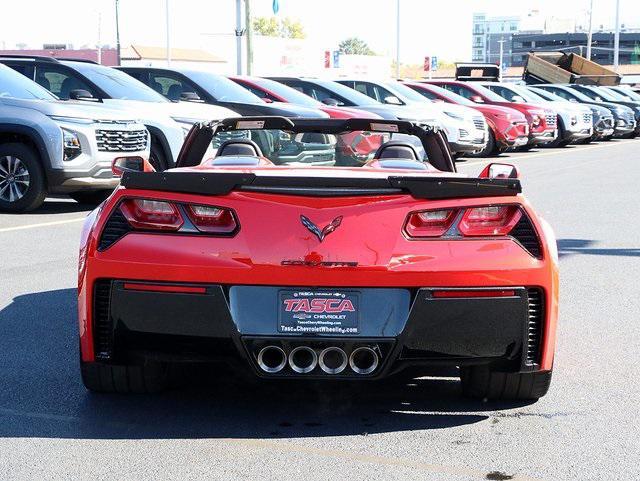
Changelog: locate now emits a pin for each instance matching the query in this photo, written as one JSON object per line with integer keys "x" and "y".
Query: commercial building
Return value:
{"x": 488, "y": 32}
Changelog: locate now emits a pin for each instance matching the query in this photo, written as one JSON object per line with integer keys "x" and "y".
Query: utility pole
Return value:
{"x": 616, "y": 38}
{"x": 397, "y": 38}
{"x": 117, "y": 33}
{"x": 239, "y": 33}
{"x": 501, "y": 41}
{"x": 590, "y": 34}
{"x": 248, "y": 28}
{"x": 166, "y": 3}
{"x": 99, "y": 38}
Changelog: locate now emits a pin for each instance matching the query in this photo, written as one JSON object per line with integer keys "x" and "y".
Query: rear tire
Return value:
{"x": 482, "y": 382}
{"x": 25, "y": 166}
{"x": 157, "y": 158}
{"x": 149, "y": 377}
{"x": 92, "y": 197}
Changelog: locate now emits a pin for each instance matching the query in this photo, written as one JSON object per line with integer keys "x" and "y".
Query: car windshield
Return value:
{"x": 607, "y": 94}
{"x": 287, "y": 93}
{"x": 406, "y": 92}
{"x": 17, "y": 86}
{"x": 353, "y": 96}
{"x": 547, "y": 95}
{"x": 627, "y": 94}
{"x": 222, "y": 89}
{"x": 117, "y": 84}
{"x": 527, "y": 94}
{"x": 449, "y": 95}
{"x": 313, "y": 149}
{"x": 490, "y": 94}
{"x": 576, "y": 94}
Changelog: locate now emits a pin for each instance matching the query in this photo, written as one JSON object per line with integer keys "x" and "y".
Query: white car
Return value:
{"x": 466, "y": 129}
{"x": 575, "y": 121}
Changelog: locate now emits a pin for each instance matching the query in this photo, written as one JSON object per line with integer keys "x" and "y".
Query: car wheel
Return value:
{"x": 482, "y": 382}
{"x": 489, "y": 149}
{"x": 157, "y": 157}
{"x": 148, "y": 377}
{"x": 92, "y": 197}
{"x": 22, "y": 181}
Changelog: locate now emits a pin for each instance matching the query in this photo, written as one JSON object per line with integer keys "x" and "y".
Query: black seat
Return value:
{"x": 157, "y": 86}
{"x": 174, "y": 92}
{"x": 395, "y": 149}
{"x": 239, "y": 147}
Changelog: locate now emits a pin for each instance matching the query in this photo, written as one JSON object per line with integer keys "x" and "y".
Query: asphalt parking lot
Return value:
{"x": 584, "y": 429}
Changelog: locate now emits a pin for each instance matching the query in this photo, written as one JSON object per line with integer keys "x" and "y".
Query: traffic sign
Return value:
{"x": 434, "y": 63}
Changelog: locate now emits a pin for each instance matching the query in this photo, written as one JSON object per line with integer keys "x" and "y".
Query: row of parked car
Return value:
{"x": 62, "y": 122}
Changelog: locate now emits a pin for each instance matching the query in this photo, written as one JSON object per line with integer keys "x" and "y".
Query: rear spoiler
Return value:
{"x": 219, "y": 183}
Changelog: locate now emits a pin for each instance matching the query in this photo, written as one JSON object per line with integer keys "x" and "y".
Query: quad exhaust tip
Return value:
{"x": 333, "y": 360}
{"x": 363, "y": 360}
{"x": 303, "y": 359}
{"x": 272, "y": 359}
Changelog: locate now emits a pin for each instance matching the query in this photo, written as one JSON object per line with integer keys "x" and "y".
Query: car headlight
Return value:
{"x": 535, "y": 120}
{"x": 453, "y": 115}
{"x": 71, "y": 145}
{"x": 574, "y": 120}
{"x": 620, "y": 111}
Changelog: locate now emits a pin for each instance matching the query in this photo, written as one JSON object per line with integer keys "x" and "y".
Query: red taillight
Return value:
{"x": 151, "y": 214}
{"x": 430, "y": 223}
{"x": 489, "y": 220}
{"x": 213, "y": 220}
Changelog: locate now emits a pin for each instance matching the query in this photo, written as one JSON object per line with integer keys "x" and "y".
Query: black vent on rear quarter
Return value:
{"x": 525, "y": 234}
{"x": 115, "y": 228}
{"x": 534, "y": 326}
{"x": 102, "y": 328}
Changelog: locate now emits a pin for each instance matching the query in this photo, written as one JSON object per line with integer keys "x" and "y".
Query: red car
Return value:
{"x": 507, "y": 127}
{"x": 352, "y": 146}
{"x": 323, "y": 273}
{"x": 543, "y": 122}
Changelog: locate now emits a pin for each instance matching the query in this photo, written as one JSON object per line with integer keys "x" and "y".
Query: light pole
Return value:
{"x": 397, "y": 38}
{"x": 239, "y": 33}
{"x": 616, "y": 38}
{"x": 501, "y": 41}
{"x": 168, "y": 34}
{"x": 590, "y": 34}
{"x": 117, "y": 33}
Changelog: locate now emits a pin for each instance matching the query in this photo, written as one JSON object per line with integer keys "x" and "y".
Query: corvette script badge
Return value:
{"x": 314, "y": 229}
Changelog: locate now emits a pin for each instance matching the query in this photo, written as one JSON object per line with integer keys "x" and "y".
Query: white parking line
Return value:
{"x": 42, "y": 224}
{"x": 542, "y": 154}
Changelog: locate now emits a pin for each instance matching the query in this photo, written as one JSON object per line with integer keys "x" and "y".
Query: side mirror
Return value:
{"x": 331, "y": 102}
{"x": 392, "y": 100}
{"x": 267, "y": 100}
{"x": 497, "y": 170}
{"x": 438, "y": 101}
{"x": 130, "y": 164}
{"x": 517, "y": 98}
{"x": 573, "y": 100}
{"x": 80, "y": 94}
{"x": 190, "y": 97}
{"x": 477, "y": 99}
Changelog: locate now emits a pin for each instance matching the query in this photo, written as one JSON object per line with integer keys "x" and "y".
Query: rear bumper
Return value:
{"x": 406, "y": 327}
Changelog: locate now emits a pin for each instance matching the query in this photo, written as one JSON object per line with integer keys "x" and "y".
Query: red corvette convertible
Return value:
{"x": 293, "y": 270}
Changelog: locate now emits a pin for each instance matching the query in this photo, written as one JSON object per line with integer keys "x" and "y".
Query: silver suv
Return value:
{"x": 51, "y": 146}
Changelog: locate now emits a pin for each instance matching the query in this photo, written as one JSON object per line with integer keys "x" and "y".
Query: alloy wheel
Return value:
{"x": 14, "y": 179}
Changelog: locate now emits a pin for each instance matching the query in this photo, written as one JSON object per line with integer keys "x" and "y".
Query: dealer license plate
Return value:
{"x": 318, "y": 312}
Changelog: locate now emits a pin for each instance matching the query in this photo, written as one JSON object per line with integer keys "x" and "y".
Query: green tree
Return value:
{"x": 355, "y": 46}
{"x": 272, "y": 27}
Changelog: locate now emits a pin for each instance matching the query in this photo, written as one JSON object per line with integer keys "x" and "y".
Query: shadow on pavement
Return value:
{"x": 42, "y": 395}
{"x": 60, "y": 206}
{"x": 568, "y": 247}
